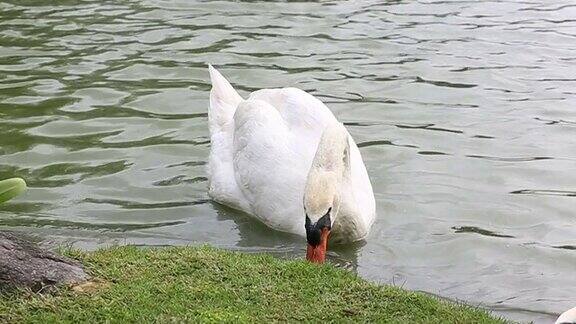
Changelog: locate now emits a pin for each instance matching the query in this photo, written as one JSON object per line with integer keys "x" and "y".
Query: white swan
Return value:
{"x": 568, "y": 317}
{"x": 282, "y": 156}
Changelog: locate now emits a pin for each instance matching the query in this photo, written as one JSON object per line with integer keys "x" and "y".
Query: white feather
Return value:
{"x": 568, "y": 317}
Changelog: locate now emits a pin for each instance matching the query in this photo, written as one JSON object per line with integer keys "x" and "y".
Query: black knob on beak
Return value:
{"x": 313, "y": 231}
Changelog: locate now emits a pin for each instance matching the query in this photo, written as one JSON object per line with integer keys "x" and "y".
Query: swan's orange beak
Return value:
{"x": 317, "y": 253}
{"x": 317, "y": 237}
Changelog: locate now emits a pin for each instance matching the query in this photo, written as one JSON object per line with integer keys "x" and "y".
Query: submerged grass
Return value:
{"x": 189, "y": 284}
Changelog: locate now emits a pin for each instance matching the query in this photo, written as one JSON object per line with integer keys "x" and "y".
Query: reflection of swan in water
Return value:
{"x": 254, "y": 234}
{"x": 282, "y": 157}
{"x": 257, "y": 237}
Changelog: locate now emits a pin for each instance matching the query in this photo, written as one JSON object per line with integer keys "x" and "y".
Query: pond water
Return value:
{"x": 463, "y": 111}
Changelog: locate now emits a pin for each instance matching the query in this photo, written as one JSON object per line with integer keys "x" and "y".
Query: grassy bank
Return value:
{"x": 206, "y": 284}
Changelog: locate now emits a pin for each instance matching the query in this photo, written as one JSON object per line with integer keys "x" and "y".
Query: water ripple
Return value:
{"x": 139, "y": 205}
{"x": 477, "y": 230}
{"x": 115, "y": 227}
{"x": 549, "y": 192}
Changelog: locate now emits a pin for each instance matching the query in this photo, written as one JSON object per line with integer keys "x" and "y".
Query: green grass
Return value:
{"x": 187, "y": 284}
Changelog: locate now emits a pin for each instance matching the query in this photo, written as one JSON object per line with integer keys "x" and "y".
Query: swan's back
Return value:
{"x": 300, "y": 111}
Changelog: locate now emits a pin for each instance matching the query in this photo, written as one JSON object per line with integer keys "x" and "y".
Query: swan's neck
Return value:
{"x": 329, "y": 195}
{"x": 330, "y": 185}
{"x": 329, "y": 176}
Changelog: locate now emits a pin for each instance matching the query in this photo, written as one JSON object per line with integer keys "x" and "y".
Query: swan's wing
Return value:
{"x": 269, "y": 171}
{"x": 362, "y": 187}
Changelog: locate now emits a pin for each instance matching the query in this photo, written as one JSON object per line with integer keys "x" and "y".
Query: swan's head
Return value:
{"x": 323, "y": 189}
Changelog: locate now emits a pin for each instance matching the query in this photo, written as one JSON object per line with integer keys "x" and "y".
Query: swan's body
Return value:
{"x": 568, "y": 317}
{"x": 261, "y": 161}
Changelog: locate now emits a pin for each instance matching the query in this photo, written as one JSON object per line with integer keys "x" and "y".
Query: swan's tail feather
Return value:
{"x": 223, "y": 101}
{"x": 221, "y": 180}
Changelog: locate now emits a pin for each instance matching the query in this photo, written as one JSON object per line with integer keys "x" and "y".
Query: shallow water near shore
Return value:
{"x": 463, "y": 112}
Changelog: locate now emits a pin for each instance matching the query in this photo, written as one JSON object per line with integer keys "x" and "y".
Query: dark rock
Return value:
{"x": 24, "y": 264}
